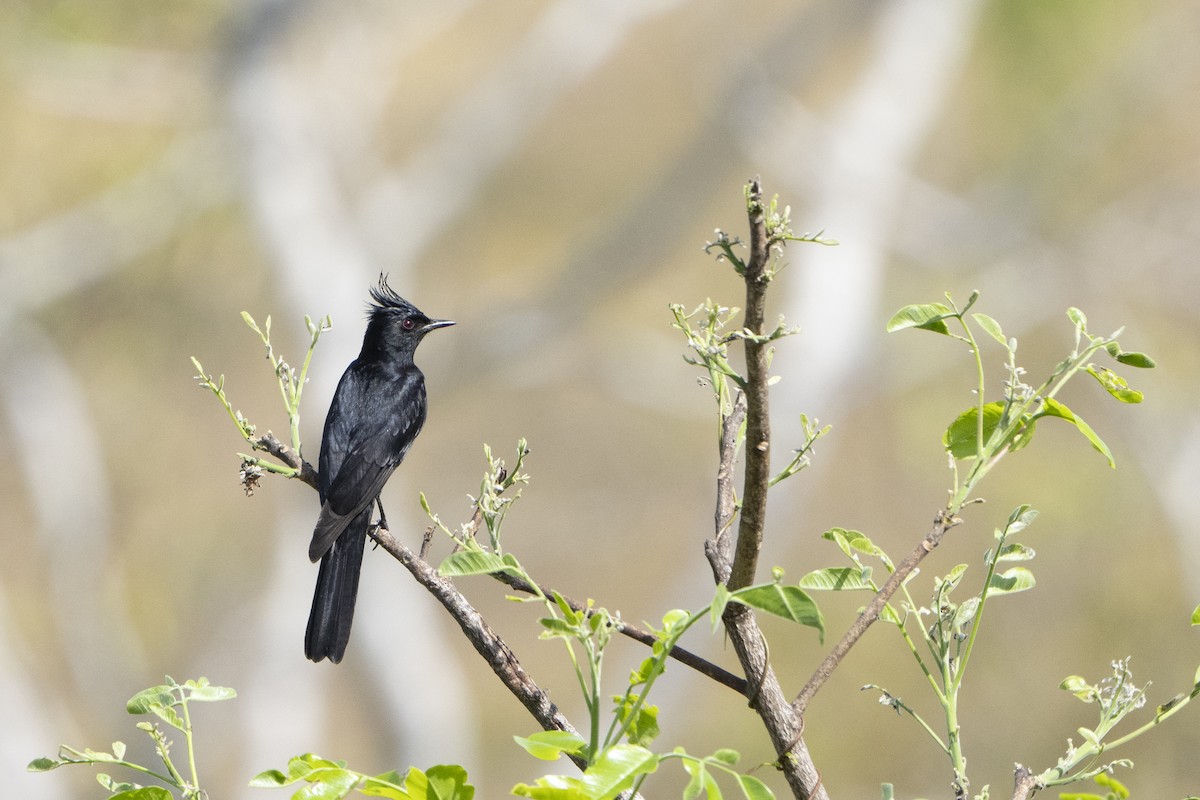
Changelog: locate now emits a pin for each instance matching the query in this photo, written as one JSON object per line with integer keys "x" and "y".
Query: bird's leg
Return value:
{"x": 382, "y": 516}
{"x": 382, "y": 524}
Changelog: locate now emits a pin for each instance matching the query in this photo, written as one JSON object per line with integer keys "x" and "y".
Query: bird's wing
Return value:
{"x": 377, "y": 424}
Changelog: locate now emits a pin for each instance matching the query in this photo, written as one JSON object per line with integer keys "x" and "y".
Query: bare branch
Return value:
{"x": 719, "y": 549}
{"x": 1025, "y": 783}
{"x": 269, "y": 444}
{"x": 491, "y": 647}
{"x": 758, "y": 425}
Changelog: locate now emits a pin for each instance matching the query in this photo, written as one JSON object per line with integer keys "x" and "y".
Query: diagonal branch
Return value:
{"x": 491, "y": 647}
{"x": 941, "y": 523}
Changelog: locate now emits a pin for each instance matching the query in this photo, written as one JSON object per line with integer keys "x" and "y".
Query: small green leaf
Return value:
{"x": 1115, "y": 786}
{"x": 202, "y": 691}
{"x": 43, "y": 764}
{"x": 616, "y": 769}
{"x": 147, "y": 700}
{"x": 754, "y": 789}
{"x": 726, "y": 756}
{"x": 789, "y": 602}
{"x": 1139, "y": 360}
{"x": 1054, "y": 408}
{"x": 445, "y": 782}
{"x": 927, "y": 316}
{"x": 471, "y": 562}
{"x": 270, "y": 779}
{"x": 642, "y": 729}
{"x": 549, "y": 745}
{"x": 1020, "y": 519}
{"x": 850, "y": 540}
{"x": 720, "y": 601}
{"x": 990, "y": 326}
{"x": 1196, "y": 616}
{"x": 1017, "y": 579}
{"x": 836, "y": 579}
{"x": 960, "y": 437}
{"x": 1015, "y": 552}
{"x": 1077, "y": 317}
{"x": 143, "y": 793}
{"x": 1114, "y": 384}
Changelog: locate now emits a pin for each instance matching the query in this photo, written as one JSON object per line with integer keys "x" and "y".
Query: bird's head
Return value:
{"x": 396, "y": 324}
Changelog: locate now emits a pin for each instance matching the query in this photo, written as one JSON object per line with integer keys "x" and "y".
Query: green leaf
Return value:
{"x": 927, "y": 316}
{"x": 836, "y": 579}
{"x": 1114, "y": 384}
{"x": 1021, "y": 518}
{"x": 270, "y": 779}
{"x": 553, "y": 787}
{"x": 991, "y": 327}
{"x": 720, "y": 601}
{"x": 471, "y": 562}
{"x": 1077, "y": 317}
{"x": 1015, "y": 552}
{"x": 616, "y": 769}
{"x": 754, "y": 789}
{"x": 701, "y": 780}
{"x": 850, "y": 541}
{"x": 1196, "y": 616}
{"x": 202, "y": 691}
{"x": 1017, "y": 579}
{"x": 960, "y": 437}
{"x": 1054, "y": 408}
{"x": 145, "y": 701}
{"x": 448, "y": 782}
{"x": 1139, "y": 360}
{"x": 43, "y": 764}
{"x": 643, "y": 726}
{"x": 549, "y": 745}
{"x": 727, "y": 756}
{"x": 789, "y": 602}
{"x": 143, "y": 793}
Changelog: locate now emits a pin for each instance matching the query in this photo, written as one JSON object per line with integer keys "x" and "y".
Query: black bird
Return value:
{"x": 377, "y": 412}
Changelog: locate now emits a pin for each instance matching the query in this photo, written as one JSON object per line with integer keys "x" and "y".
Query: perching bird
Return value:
{"x": 377, "y": 412}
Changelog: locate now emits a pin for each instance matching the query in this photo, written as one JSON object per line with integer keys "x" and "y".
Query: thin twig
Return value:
{"x": 719, "y": 549}
{"x": 683, "y": 656}
{"x": 941, "y": 524}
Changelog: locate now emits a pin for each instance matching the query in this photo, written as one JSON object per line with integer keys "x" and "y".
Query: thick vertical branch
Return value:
{"x": 783, "y": 725}
{"x": 758, "y": 425}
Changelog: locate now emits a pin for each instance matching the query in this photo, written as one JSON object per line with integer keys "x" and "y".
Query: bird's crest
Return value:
{"x": 386, "y": 298}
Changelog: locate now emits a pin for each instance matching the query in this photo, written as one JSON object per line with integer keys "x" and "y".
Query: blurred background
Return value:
{"x": 545, "y": 172}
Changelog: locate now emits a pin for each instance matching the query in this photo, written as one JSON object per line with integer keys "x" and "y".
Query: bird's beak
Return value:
{"x": 437, "y": 323}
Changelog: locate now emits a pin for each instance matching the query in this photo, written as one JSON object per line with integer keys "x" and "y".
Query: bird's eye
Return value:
{"x": 408, "y": 323}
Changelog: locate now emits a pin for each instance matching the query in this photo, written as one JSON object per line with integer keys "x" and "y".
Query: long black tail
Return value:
{"x": 337, "y": 587}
